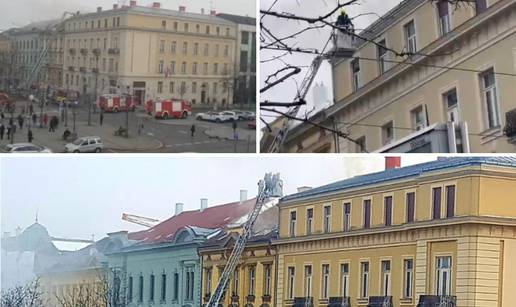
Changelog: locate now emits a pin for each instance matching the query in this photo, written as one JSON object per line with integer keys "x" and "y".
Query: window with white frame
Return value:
{"x": 291, "y": 282}
{"x": 162, "y": 46}
{"x": 194, "y": 68}
{"x": 267, "y": 279}
{"x": 173, "y": 47}
{"x": 183, "y": 68}
{"x": 355, "y": 74}
{"x": 408, "y": 275}
{"x": 308, "y": 281}
{"x": 196, "y": 49}
{"x": 252, "y": 280}
{"x": 325, "y": 289}
{"x": 489, "y": 96}
{"x": 207, "y": 289}
{"x": 309, "y": 220}
{"x": 190, "y": 282}
{"x": 386, "y": 277}
{"x": 293, "y": 221}
{"x": 344, "y": 279}
{"x": 364, "y": 279}
{"x": 347, "y": 216}
{"x": 382, "y": 56}
{"x": 387, "y": 133}
{"x": 443, "y": 275}
{"x": 327, "y": 219}
{"x": 410, "y": 37}
{"x": 418, "y": 118}
{"x": 185, "y": 48}
{"x": 451, "y": 105}
{"x": 443, "y": 11}
{"x": 160, "y": 67}
{"x": 173, "y": 67}
{"x": 236, "y": 278}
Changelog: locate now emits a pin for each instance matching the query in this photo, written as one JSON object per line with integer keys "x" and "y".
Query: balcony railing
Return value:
{"x": 380, "y": 301}
{"x": 510, "y": 125}
{"x": 96, "y": 51}
{"x": 84, "y": 51}
{"x": 339, "y": 301}
{"x": 437, "y": 301}
{"x": 303, "y": 302}
{"x": 113, "y": 51}
{"x": 72, "y": 51}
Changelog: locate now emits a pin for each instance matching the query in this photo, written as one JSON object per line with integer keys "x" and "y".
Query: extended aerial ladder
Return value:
{"x": 343, "y": 48}
{"x": 267, "y": 188}
{"x": 140, "y": 220}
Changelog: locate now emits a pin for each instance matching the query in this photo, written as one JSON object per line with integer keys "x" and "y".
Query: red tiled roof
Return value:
{"x": 212, "y": 217}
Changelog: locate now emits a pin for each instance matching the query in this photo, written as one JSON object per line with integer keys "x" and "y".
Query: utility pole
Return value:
{"x": 127, "y": 113}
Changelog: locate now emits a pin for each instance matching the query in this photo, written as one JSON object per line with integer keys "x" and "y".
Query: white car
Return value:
{"x": 85, "y": 144}
{"x": 24, "y": 148}
{"x": 211, "y": 116}
{"x": 226, "y": 116}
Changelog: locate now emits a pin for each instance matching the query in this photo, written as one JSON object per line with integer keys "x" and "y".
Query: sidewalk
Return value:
{"x": 55, "y": 142}
{"x": 227, "y": 133}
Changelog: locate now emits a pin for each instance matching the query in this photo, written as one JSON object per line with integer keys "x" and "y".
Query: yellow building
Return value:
{"x": 445, "y": 229}
{"x": 151, "y": 52}
{"x": 444, "y": 82}
{"x": 253, "y": 281}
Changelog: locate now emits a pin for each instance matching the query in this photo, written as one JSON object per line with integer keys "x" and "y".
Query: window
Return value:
{"x": 151, "y": 288}
{"x": 217, "y": 50}
{"x": 205, "y": 68}
{"x": 347, "y": 216}
{"x": 227, "y": 31}
{"x": 175, "y": 25}
{"x": 291, "y": 278}
{"x": 489, "y": 95}
{"x": 196, "y": 49}
{"x": 450, "y": 201}
{"x": 226, "y": 50}
{"x": 182, "y": 89}
{"x": 387, "y": 133}
{"x": 163, "y": 24}
{"x": 344, "y": 279}
{"x": 436, "y": 203}
{"x": 140, "y": 292}
{"x": 217, "y": 30}
{"x": 325, "y": 281}
{"x": 443, "y": 275}
{"x": 382, "y": 56}
{"x": 244, "y": 40}
{"x": 189, "y": 288}
{"x": 185, "y": 48}
{"x": 388, "y": 211}
{"x": 451, "y": 105}
{"x": 130, "y": 289}
{"x": 480, "y": 6}
{"x": 173, "y": 67}
{"x": 308, "y": 280}
{"x": 443, "y": 11}
{"x": 364, "y": 279}
{"x": 327, "y": 219}
{"x": 173, "y": 47}
{"x": 408, "y": 273}
{"x": 411, "y": 206}
{"x": 309, "y": 220}
{"x": 176, "y": 286}
{"x": 207, "y": 29}
{"x": 235, "y": 281}
{"x": 194, "y": 87}
{"x": 207, "y": 290}
{"x": 386, "y": 277}
{"x": 410, "y": 37}
{"x": 160, "y": 87}
{"x": 197, "y": 28}
{"x": 367, "y": 213}
{"x": 186, "y": 27}
{"x": 293, "y": 219}
{"x": 252, "y": 280}
{"x": 183, "y": 68}
{"x": 162, "y": 46}
{"x": 243, "y": 61}
{"x": 194, "y": 68}
{"x": 267, "y": 269}
{"x": 215, "y": 88}
{"x": 355, "y": 74}
{"x": 163, "y": 287}
{"x": 418, "y": 118}
{"x": 206, "y": 49}
{"x": 160, "y": 67}
{"x": 215, "y": 68}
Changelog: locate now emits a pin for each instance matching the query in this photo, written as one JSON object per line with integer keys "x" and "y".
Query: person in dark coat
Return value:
{"x": 30, "y": 137}
{"x": 2, "y": 131}
{"x": 192, "y": 130}
{"x": 9, "y": 132}
{"x": 343, "y": 21}
{"x": 101, "y": 117}
{"x": 45, "y": 119}
{"x": 20, "y": 121}
{"x": 34, "y": 118}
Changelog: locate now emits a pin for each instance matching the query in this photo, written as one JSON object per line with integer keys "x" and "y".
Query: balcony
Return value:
{"x": 71, "y": 68}
{"x": 303, "y": 302}
{"x": 72, "y": 51}
{"x": 380, "y": 301}
{"x": 339, "y": 302}
{"x": 96, "y": 51}
{"x": 84, "y": 51}
{"x": 437, "y": 301}
{"x": 82, "y": 69}
{"x": 113, "y": 51}
{"x": 510, "y": 125}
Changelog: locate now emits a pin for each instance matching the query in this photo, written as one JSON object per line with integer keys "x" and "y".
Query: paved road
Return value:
{"x": 174, "y": 134}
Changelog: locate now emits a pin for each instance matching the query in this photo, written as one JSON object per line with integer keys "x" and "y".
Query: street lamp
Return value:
{"x": 74, "y": 106}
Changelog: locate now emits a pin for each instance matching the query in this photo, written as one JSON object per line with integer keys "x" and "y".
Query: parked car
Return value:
{"x": 252, "y": 125}
{"x": 207, "y": 116}
{"x": 85, "y": 144}
{"x": 24, "y": 148}
{"x": 249, "y": 115}
{"x": 226, "y": 116}
{"x": 240, "y": 114}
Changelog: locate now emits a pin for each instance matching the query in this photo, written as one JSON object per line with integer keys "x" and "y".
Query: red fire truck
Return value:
{"x": 168, "y": 108}
{"x": 115, "y": 103}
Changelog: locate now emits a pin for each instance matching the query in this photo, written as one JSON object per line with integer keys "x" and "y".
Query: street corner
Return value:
{"x": 226, "y": 133}
{"x": 129, "y": 144}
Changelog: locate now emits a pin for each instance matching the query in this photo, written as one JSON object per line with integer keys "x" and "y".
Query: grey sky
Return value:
{"x": 17, "y": 13}
{"x": 80, "y": 196}
{"x": 311, "y": 39}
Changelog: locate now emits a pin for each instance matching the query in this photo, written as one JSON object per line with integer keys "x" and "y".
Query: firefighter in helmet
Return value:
{"x": 343, "y": 21}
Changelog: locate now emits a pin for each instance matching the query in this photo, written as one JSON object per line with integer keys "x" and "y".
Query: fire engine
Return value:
{"x": 175, "y": 108}
{"x": 115, "y": 103}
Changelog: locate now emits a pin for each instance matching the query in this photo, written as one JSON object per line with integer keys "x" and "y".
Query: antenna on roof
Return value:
{"x": 37, "y": 215}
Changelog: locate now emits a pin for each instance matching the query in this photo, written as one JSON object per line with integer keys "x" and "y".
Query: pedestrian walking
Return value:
{"x": 235, "y": 134}
{"x": 30, "y": 137}
{"x": 45, "y": 119}
{"x": 101, "y": 118}
{"x": 2, "y": 130}
{"x": 31, "y": 109}
{"x": 20, "y": 121}
{"x": 34, "y": 118}
{"x": 192, "y": 130}
{"x": 2, "y": 115}
{"x": 9, "y": 132}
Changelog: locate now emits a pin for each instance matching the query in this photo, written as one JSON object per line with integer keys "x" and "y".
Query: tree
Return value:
{"x": 29, "y": 295}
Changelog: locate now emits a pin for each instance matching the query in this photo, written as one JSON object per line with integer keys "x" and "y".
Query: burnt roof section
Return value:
{"x": 243, "y": 20}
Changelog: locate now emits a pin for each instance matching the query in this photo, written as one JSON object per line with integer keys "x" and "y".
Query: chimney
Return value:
{"x": 115, "y": 6}
{"x": 156, "y": 5}
{"x": 303, "y": 189}
{"x": 99, "y": 9}
{"x": 132, "y": 3}
{"x": 204, "y": 204}
{"x": 179, "y": 209}
{"x": 182, "y": 8}
{"x": 122, "y": 235}
{"x": 243, "y": 195}
{"x": 392, "y": 162}
{"x": 202, "y": 11}
{"x": 213, "y": 12}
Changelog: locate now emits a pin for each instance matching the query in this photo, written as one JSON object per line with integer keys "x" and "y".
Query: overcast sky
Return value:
{"x": 16, "y": 13}
{"x": 80, "y": 196}
{"x": 310, "y": 39}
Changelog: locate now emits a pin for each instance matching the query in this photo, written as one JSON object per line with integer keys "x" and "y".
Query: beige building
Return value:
{"x": 453, "y": 92}
{"x": 150, "y": 52}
